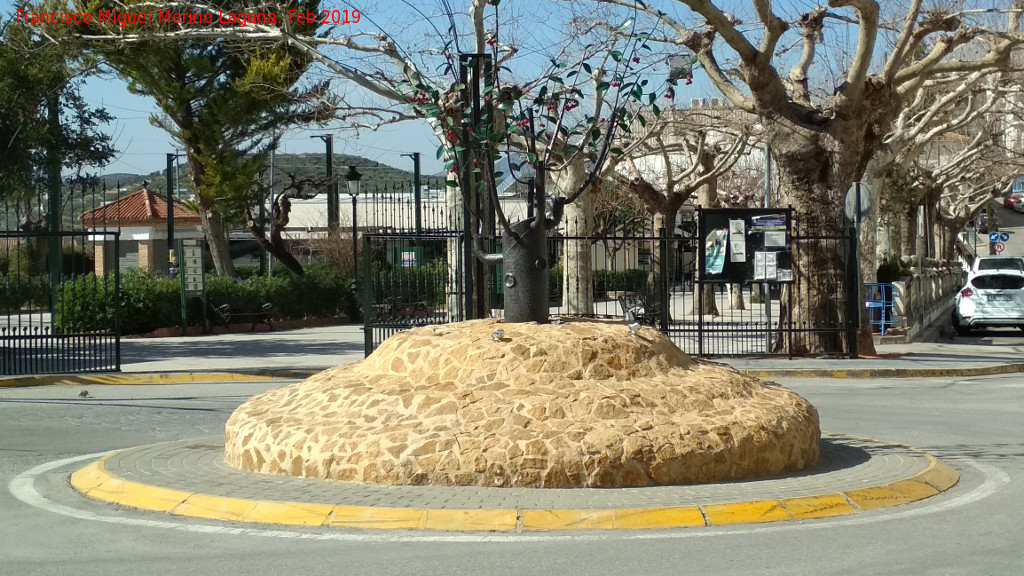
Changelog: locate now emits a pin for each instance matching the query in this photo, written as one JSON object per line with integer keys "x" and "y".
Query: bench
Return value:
{"x": 225, "y": 312}
{"x": 643, "y": 309}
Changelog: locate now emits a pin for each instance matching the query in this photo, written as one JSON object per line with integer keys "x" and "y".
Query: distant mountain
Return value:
{"x": 376, "y": 176}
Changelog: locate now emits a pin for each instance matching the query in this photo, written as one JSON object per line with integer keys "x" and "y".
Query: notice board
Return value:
{"x": 745, "y": 245}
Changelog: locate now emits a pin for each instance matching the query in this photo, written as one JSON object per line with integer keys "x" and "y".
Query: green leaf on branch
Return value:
{"x": 602, "y": 87}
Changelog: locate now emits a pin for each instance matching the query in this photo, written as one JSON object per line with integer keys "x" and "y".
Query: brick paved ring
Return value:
{"x": 189, "y": 478}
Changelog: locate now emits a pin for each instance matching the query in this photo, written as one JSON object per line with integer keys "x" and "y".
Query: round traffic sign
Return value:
{"x": 993, "y": 237}
{"x": 999, "y": 247}
{"x": 1004, "y": 237}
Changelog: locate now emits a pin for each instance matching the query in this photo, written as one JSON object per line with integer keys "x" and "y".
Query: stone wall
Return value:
{"x": 576, "y": 404}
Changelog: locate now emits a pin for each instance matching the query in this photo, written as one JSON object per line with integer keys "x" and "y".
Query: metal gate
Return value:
{"x": 410, "y": 280}
{"x": 57, "y": 315}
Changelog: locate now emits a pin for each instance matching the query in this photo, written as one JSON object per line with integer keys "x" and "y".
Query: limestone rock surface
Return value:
{"x": 578, "y": 404}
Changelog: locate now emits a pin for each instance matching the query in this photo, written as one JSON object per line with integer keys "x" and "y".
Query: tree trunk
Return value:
{"x": 577, "y": 261}
{"x": 704, "y": 302}
{"x": 909, "y": 233}
{"x": 217, "y": 238}
{"x": 810, "y": 178}
{"x": 736, "y": 297}
{"x": 455, "y": 255}
{"x": 213, "y": 224}
{"x": 663, "y": 220}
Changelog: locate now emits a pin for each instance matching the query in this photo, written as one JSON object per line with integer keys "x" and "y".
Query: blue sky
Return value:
{"x": 142, "y": 147}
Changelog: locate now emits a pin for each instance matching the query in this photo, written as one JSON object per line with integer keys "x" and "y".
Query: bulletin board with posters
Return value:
{"x": 745, "y": 245}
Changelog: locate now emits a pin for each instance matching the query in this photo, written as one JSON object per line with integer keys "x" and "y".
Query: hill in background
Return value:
{"x": 376, "y": 176}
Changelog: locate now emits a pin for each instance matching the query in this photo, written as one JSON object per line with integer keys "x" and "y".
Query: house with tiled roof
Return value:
{"x": 142, "y": 220}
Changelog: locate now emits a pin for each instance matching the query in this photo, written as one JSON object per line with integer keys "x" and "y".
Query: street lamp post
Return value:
{"x": 416, "y": 192}
{"x": 332, "y": 188}
{"x": 352, "y": 178}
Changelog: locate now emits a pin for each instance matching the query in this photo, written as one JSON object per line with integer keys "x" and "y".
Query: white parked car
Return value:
{"x": 998, "y": 263}
{"x": 991, "y": 298}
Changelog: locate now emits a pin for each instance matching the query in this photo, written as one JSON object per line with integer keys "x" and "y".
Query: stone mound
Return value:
{"x": 576, "y": 404}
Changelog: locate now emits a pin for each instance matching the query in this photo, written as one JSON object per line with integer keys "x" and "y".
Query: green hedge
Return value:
{"x": 619, "y": 280}
{"x": 18, "y": 292}
{"x": 84, "y": 304}
{"x": 149, "y": 302}
{"x": 411, "y": 284}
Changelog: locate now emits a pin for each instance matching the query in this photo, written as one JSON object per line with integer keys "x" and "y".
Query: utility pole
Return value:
{"x": 170, "y": 209}
{"x": 53, "y": 160}
{"x": 270, "y": 202}
{"x": 332, "y": 188}
{"x": 416, "y": 191}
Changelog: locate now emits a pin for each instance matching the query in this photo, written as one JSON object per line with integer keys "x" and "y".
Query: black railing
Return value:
{"x": 651, "y": 273}
{"x": 60, "y": 318}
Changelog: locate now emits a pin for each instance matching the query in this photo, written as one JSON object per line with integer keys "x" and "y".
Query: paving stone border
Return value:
{"x": 189, "y": 478}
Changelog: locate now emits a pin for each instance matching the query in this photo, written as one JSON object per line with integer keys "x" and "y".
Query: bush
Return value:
{"x": 555, "y": 280}
{"x": 84, "y": 304}
{"x": 889, "y": 271}
{"x": 149, "y": 302}
{"x": 74, "y": 262}
{"x": 411, "y": 284}
{"x": 16, "y": 260}
{"x": 619, "y": 281}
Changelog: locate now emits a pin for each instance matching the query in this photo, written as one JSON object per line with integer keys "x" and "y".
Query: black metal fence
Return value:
{"x": 417, "y": 280}
{"x": 59, "y": 283}
{"x": 56, "y": 314}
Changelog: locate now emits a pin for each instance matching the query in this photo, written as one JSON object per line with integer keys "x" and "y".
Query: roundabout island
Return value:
{"x": 577, "y": 403}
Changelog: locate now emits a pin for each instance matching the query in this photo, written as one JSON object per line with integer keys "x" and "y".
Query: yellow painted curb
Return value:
{"x": 141, "y": 379}
{"x": 746, "y": 512}
{"x": 95, "y": 481}
{"x": 939, "y": 475}
{"x": 818, "y": 506}
{"x": 859, "y": 373}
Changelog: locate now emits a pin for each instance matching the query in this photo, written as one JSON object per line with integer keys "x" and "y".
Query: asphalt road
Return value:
{"x": 975, "y": 528}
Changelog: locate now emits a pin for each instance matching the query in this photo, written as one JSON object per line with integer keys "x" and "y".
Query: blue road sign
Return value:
{"x": 1004, "y": 237}
{"x": 993, "y": 237}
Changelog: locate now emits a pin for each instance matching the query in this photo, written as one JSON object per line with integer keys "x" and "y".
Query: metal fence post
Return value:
{"x": 664, "y": 289}
{"x": 852, "y": 292}
{"x": 367, "y": 298}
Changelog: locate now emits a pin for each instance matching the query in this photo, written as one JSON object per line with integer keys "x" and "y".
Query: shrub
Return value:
{"x": 149, "y": 302}
{"x": 410, "y": 284}
{"x": 84, "y": 304}
{"x": 633, "y": 280}
{"x": 74, "y": 262}
{"x": 555, "y": 280}
{"x": 16, "y": 260}
{"x": 889, "y": 271}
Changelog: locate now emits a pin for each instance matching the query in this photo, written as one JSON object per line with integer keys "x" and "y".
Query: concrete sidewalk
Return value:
{"x": 315, "y": 349}
{"x": 299, "y": 353}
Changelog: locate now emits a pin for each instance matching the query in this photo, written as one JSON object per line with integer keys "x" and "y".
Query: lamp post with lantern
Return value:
{"x": 352, "y": 178}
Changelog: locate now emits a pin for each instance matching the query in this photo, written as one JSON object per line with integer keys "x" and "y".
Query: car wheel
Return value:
{"x": 961, "y": 330}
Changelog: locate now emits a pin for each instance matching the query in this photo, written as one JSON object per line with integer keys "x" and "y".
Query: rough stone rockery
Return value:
{"x": 571, "y": 404}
